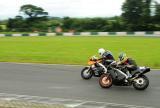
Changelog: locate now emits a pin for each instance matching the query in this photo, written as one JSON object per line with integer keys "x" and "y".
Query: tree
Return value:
{"x": 137, "y": 14}
{"x": 33, "y": 11}
{"x": 132, "y": 11}
{"x": 157, "y": 12}
{"x": 36, "y": 17}
{"x": 68, "y": 23}
{"x": 17, "y": 24}
{"x": 156, "y": 17}
{"x": 146, "y": 10}
{"x": 146, "y": 15}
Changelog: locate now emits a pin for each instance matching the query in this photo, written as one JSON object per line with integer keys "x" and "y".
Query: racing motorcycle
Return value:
{"x": 115, "y": 76}
{"x": 94, "y": 68}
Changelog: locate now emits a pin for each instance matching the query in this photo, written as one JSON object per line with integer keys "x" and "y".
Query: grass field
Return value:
{"x": 77, "y": 50}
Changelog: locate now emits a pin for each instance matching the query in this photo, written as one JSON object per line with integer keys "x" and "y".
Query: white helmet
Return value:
{"x": 101, "y": 51}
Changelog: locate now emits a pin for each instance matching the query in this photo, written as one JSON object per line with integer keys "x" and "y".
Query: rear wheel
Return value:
{"x": 105, "y": 81}
{"x": 86, "y": 73}
{"x": 141, "y": 83}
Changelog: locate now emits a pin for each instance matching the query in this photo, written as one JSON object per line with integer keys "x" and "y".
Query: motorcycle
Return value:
{"x": 115, "y": 76}
{"x": 95, "y": 68}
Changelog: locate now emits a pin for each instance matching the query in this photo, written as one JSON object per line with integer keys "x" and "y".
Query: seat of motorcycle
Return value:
{"x": 109, "y": 61}
{"x": 146, "y": 69}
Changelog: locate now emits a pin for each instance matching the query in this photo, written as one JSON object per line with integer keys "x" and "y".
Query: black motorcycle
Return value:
{"x": 115, "y": 76}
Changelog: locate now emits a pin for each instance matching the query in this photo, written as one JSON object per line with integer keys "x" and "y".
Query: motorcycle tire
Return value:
{"x": 141, "y": 83}
{"x": 105, "y": 81}
{"x": 86, "y": 73}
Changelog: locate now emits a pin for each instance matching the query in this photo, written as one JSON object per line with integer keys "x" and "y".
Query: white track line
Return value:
{"x": 61, "y": 100}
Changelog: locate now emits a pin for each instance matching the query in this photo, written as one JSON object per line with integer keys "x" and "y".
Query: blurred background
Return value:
{"x": 79, "y": 15}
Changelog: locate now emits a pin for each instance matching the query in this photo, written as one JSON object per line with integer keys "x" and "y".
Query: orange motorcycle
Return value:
{"x": 95, "y": 68}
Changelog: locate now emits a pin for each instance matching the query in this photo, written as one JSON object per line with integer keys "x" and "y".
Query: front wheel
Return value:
{"x": 105, "y": 81}
{"x": 141, "y": 83}
{"x": 86, "y": 73}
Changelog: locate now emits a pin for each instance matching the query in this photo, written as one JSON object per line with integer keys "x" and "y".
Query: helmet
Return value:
{"x": 101, "y": 51}
{"x": 122, "y": 56}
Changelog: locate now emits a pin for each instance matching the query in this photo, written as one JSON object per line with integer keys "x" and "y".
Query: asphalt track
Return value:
{"x": 63, "y": 84}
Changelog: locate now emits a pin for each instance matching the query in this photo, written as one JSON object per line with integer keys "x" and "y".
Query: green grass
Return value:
{"x": 77, "y": 50}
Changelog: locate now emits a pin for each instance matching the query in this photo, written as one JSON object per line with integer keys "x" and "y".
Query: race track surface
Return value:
{"x": 63, "y": 84}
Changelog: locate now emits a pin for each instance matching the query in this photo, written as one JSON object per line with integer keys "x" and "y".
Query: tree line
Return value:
{"x": 137, "y": 15}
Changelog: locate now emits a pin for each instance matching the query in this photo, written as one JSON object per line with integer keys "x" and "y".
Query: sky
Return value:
{"x": 62, "y": 8}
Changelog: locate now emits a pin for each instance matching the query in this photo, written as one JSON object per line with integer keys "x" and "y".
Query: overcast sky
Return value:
{"x": 61, "y": 8}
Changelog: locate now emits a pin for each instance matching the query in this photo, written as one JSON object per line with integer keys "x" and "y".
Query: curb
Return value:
{"x": 136, "y": 33}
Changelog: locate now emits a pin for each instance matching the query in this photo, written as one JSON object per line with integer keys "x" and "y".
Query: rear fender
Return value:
{"x": 141, "y": 73}
{"x": 146, "y": 70}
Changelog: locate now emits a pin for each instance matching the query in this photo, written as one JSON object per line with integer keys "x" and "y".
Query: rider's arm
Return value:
{"x": 131, "y": 63}
{"x": 119, "y": 63}
{"x": 100, "y": 59}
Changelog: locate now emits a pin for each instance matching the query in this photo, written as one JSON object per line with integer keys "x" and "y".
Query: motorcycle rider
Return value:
{"x": 105, "y": 55}
{"x": 128, "y": 62}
